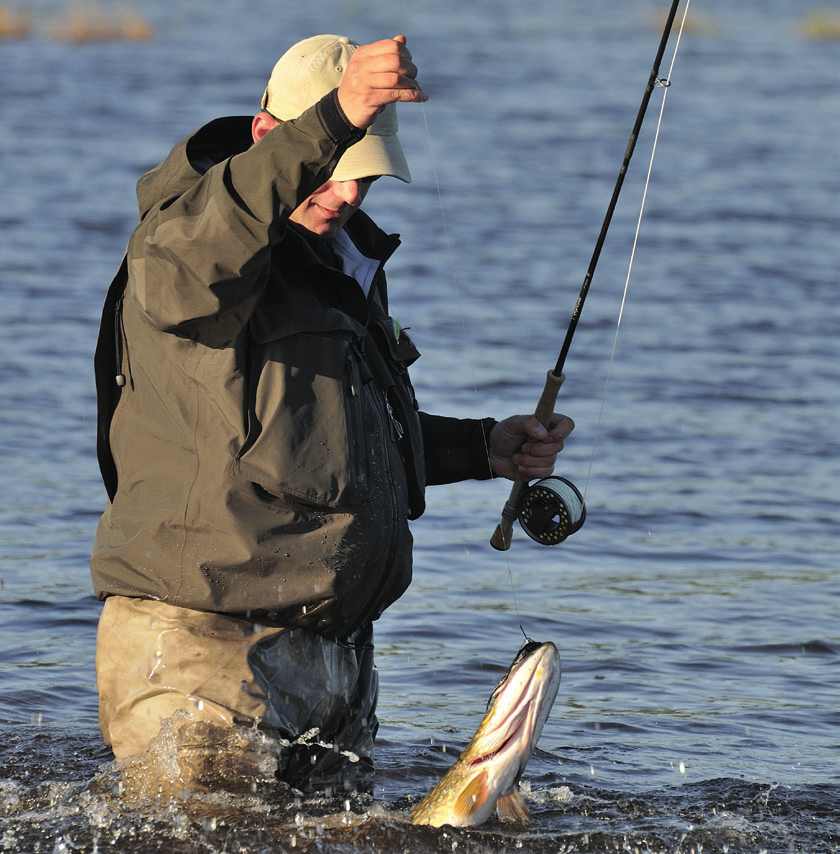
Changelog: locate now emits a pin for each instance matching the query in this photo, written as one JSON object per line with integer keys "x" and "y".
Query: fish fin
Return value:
{"x": 471, "y": 800}
{"x": 511, "y": 807}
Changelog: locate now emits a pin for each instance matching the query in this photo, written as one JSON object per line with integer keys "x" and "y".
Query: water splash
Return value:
{"x": 190, "y": 755}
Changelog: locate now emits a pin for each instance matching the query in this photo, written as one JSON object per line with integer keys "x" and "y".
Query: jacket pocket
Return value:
{"x": 307, "y": 418}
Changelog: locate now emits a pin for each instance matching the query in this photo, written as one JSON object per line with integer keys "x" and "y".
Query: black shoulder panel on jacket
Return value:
{"x": 107, "y": 364}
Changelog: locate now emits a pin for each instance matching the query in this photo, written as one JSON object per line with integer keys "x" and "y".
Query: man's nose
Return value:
{"x": 350, "y": 192}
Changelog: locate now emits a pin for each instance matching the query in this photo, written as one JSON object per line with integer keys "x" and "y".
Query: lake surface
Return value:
{"x": 696, "y": 611}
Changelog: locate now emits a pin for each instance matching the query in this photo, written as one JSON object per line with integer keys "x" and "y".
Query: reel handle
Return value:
{"x": 503, "y": 534}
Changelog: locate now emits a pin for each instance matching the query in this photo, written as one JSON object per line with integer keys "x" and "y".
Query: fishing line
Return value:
{"x": 664, "y": 84}
{"x": 448, "y": 243}
{"x": 456, "y": 285}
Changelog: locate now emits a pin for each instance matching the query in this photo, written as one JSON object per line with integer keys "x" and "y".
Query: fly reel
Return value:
{"x": 551, "y": 510}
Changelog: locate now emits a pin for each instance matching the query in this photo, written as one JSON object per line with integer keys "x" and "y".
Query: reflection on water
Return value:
{"x": 694, "y": 611}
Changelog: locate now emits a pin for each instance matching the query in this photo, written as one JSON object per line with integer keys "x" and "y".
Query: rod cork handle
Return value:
{"x": 503, "y": 535}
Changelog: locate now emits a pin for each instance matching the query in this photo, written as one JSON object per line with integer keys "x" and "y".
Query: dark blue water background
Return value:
{"x": 696, "y": 611}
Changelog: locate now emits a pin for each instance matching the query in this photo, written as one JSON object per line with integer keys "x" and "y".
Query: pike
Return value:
{"x": 486, "y": 775}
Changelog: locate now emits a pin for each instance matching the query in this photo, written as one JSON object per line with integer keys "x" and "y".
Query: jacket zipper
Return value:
{"x": 118, "y": 342}
{"x": 386, "y": 419}
{"x": 358, "y": 377}
{"x": 397, "y": 430}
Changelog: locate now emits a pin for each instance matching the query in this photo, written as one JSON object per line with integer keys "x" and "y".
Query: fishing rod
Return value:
{"x": 553, "y": 508}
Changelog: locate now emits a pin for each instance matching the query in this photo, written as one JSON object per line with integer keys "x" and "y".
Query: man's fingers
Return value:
{"x": 412, "y": 93}
{"x": 384, "y": 58}
{"x": 378, "y": 74}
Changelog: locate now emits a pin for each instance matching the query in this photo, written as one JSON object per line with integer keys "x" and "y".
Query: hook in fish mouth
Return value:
{"x": 527, "y": 649}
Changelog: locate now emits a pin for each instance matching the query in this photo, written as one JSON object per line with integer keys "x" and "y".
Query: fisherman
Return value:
{"x": 259, "y": 438}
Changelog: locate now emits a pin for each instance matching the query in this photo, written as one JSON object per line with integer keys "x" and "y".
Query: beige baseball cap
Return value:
{"x": 308, "y": 71}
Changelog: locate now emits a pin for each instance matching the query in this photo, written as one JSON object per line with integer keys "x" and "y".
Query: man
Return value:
{"x": 259, "y": 438}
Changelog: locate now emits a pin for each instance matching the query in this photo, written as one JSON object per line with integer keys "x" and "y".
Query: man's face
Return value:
{"x": 327, "y": 210}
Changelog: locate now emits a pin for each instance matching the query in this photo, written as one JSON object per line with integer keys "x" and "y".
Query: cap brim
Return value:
{"x": 373, "y": 155}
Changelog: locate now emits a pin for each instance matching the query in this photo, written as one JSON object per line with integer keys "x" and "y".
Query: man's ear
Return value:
{"x": 262, "y": 124}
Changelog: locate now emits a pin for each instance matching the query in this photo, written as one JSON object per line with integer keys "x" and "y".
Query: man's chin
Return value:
{"x": 320, "y": 221}
{"x": 322, "y": 232}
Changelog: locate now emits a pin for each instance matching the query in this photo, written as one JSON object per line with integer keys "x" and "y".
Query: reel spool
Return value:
{"x": 551, "y": 510}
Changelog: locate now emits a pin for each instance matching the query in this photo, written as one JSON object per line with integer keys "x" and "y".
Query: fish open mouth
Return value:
{"x": 519, "y": 724}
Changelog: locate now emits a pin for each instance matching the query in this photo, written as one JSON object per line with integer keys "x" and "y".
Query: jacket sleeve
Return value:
{"x": 455, "y": 449}
{"x": 198, "y": 261}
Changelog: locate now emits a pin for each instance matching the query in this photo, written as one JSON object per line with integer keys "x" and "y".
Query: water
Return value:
{"x": 695, "y": 612}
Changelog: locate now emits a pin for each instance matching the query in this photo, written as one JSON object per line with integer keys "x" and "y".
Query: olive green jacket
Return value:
{"x": 258, "y": 433}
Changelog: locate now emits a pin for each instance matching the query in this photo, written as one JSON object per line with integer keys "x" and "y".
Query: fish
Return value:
{"x": 486, "y": 775}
